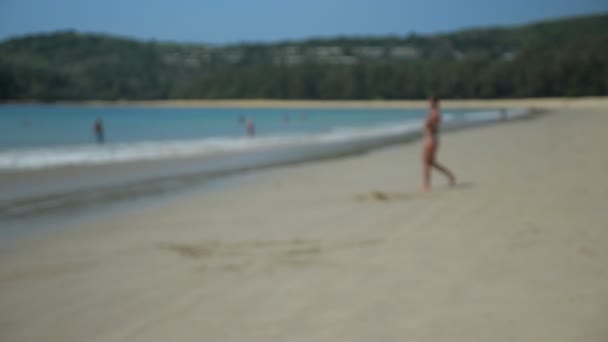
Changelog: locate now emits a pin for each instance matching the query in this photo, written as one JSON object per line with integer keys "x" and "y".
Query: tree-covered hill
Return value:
{"x": 566, "y": 57}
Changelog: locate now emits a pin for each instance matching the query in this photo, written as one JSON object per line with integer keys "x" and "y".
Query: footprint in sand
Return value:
{"x": 245, "y": 255}
{"x": 217, "y": 249}
{"x": 382, "y": 196}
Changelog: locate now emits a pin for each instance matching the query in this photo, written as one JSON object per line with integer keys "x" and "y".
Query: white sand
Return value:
{"x": 346, "y": 250}
{"x": 576, "y": 103}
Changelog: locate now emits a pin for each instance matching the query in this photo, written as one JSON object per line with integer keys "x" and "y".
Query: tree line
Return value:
{"x": 566, "y": 57}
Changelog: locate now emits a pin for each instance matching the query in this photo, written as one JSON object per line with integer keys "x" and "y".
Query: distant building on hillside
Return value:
{"x": 369, "y": 52}
{"x": 404, "y": 52}
{"x": 288, "y": 55}
{"x": 233, "y": 55}
{"x": 326, "y": 51}
{"x": 182, "y": 59}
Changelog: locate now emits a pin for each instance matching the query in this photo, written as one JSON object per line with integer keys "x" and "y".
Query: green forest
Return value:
{"x": 565, "y": 57}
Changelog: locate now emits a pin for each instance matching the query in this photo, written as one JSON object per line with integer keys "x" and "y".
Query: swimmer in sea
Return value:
{"x": 250, "y": 128}
{"x": 98, "y": 130}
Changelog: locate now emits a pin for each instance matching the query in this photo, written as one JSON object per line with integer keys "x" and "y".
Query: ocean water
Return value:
{"x": 50, "y": 160}
{"x": 37, "y": 136}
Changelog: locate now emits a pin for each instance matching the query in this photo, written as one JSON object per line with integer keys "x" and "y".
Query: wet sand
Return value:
{"x": 345, "y": 250}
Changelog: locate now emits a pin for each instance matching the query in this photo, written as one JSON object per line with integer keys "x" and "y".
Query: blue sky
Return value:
{"x": 229, "y": 21}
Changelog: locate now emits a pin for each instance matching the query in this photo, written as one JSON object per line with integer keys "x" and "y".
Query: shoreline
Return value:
{"x": 35, "y": 193}
{"x": 532, "y": 103}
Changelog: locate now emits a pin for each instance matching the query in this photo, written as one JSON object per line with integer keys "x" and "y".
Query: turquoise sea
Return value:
{"x": 38, "y": 136}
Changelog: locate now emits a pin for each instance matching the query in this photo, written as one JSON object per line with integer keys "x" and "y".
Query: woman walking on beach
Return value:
{"x": 431, "y": 144}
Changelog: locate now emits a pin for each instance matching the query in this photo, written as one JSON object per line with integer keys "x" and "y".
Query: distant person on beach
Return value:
{"x": 250, "y": 128}
{"x": 98, "y": 130}
{"x": 431, "y": 144}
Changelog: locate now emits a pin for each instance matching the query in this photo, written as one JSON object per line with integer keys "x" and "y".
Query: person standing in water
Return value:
{"x": 98, "y": 130}
{"x": 431, "y": 144}
{"x": 250, "y": 128}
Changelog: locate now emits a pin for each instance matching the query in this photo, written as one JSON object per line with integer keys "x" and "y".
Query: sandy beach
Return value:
{"x": 347, "y": 250}
{"x": 545, "y": 103}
